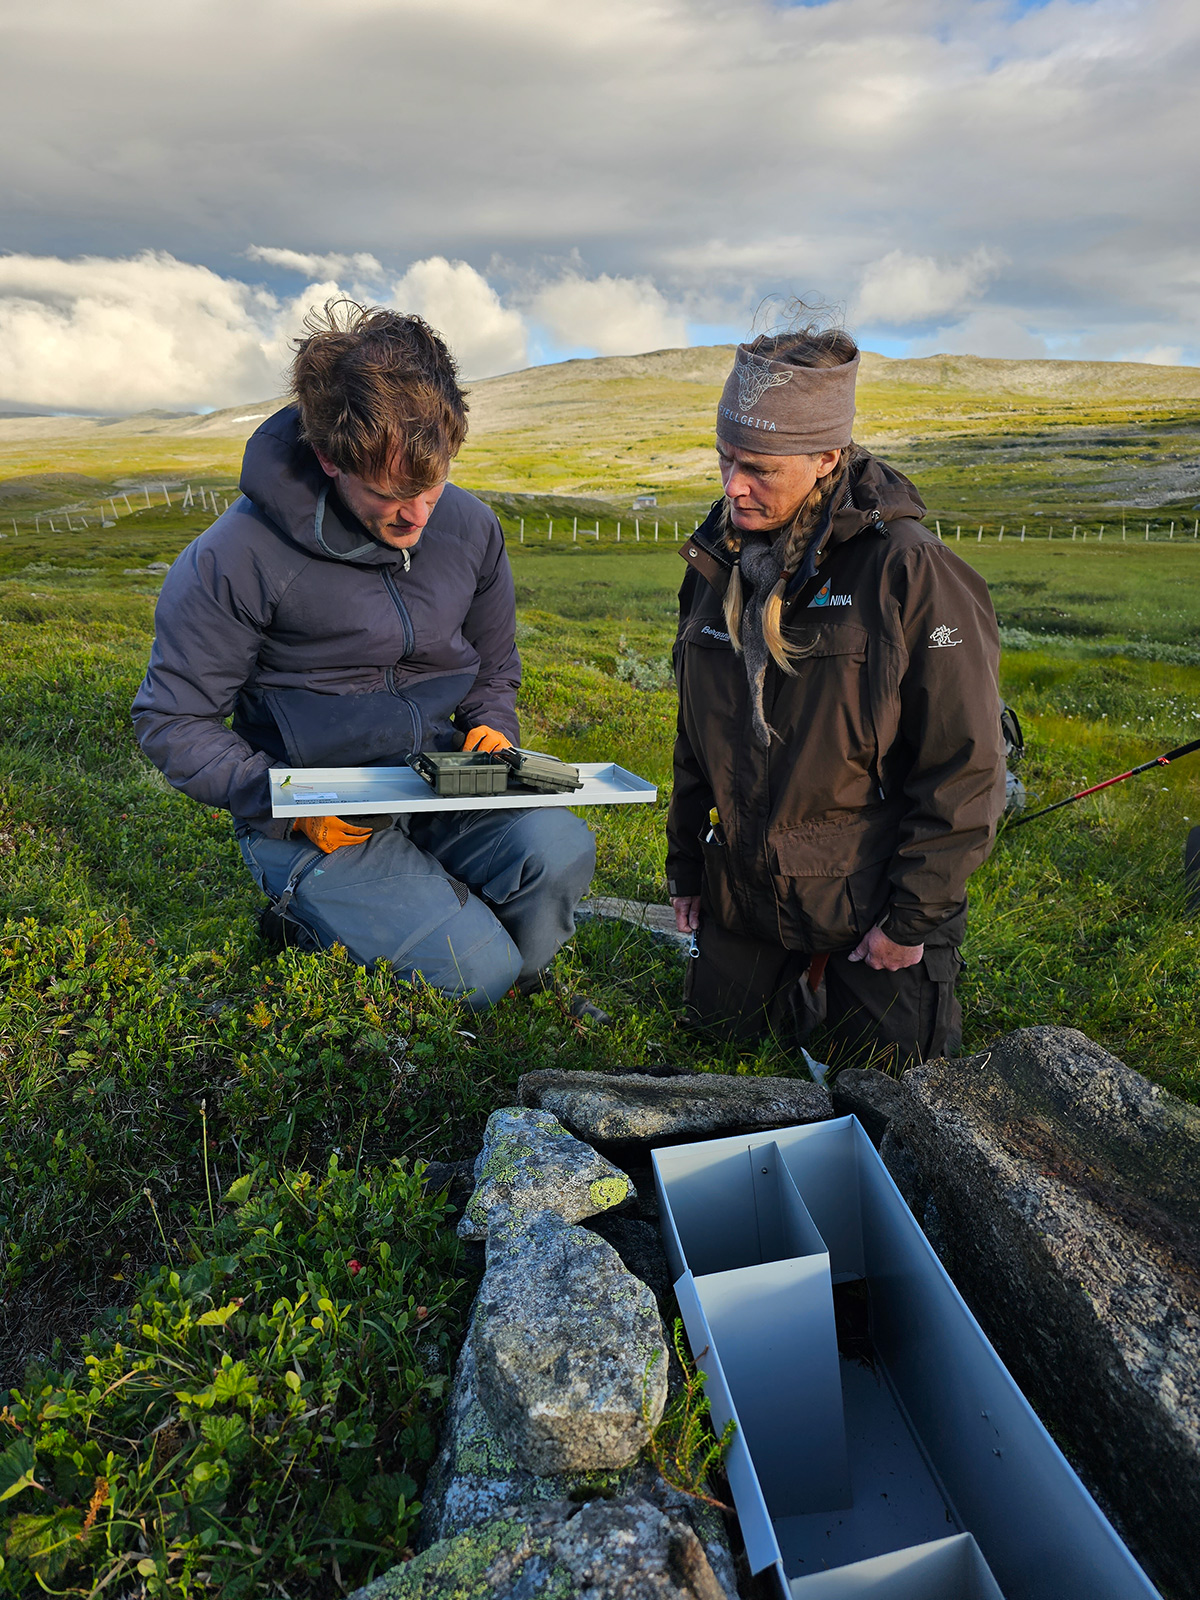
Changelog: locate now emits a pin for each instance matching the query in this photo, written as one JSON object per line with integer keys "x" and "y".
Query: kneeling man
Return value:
{"x": 351, "y": 608}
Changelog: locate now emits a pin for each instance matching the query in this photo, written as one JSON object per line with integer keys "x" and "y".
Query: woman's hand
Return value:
{"x": 882, "y": 955}
{"x": 687, "y": 912}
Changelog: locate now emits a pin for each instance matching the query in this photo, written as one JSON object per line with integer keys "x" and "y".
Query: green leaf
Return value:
{"x": 47, "y": 1543}
{"x": 16, "y": 1469}
{"x": 218, "y": 1316}
{"x": 234, "y": 1383}
{"x": 238, "y": 1191}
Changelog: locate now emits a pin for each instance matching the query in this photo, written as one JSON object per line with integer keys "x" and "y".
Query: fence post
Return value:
{"x": 677, "y": 530}
{"x": 1147, "y": 538}
{"x": 549, "y": 529}
{"x": 128, "y": 507}
{"x": 637, "y": 530}
{"x": 575, "y": 531}
{"x": 656, "y": 531}
{"x": 1171, "y": 535}
{"x": 16, "y": 535}
{"x": 166, "y": 496}
{"x": 1022, "y": 533}
{"x": 597, "y": 530}
{"x": 1101, "y": 533}
{"x": 937, "y": 527}
{"x": 958, "y": 531}
{"x": 979, "y": 538}
{"x": 146, "y": 492}
{"x": 618, "y": 533}
{"x": 522, "y": 530}
{"x": 1001, "y": 533}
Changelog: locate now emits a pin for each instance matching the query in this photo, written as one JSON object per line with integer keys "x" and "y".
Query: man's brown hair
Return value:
{"x": 378, "y": 395}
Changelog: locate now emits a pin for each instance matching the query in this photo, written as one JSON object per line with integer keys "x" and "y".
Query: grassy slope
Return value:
{"x": 132, "y": 984}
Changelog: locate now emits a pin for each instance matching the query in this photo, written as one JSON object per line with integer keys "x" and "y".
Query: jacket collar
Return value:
{"x": 876, "y": 496}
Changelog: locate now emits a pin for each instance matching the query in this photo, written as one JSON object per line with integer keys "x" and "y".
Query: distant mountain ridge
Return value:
{"x": 520, "y": 399}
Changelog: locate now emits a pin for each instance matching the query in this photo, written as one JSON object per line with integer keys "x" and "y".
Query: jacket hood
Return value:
{"x": 284, "y": 479}
{"x": 878, "y": 493}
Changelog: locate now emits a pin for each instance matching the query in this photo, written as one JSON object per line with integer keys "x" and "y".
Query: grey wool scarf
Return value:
{"x": 761, "y": 566}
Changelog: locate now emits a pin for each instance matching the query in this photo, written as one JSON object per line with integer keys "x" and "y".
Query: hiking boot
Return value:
{"x": 575, "y": 1005}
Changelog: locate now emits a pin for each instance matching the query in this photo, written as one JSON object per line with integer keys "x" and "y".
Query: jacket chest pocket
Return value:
{"x": 825, "y": 710}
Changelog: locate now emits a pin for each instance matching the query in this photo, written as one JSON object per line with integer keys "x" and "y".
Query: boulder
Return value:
{"x": 570, "y": 1350}
{"x": 1064, "y": 1193}
{"x": 636, "y": 1108}
{"x": 530, "y": 1163}
{"x": 476, "y": 1477}
{"x": 625, "y": 1549}
{"x": 873, "y": 1097}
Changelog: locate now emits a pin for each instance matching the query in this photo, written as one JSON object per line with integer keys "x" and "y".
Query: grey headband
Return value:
{"x": 775, "y": 409}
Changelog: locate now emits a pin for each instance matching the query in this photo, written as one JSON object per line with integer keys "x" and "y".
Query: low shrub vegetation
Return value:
{"x": 255, "y": 1420}
{"x": 228, "y": 1304}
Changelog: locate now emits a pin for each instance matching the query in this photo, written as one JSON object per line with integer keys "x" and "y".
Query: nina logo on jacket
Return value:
{"x": 823, "y": 597}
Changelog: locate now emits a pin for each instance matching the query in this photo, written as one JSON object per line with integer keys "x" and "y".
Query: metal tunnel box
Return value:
{"x": 882, "y": 1450}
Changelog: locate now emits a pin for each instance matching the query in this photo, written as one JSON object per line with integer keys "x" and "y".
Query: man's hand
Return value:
{"x": 687, "y": 912}
{"x": 330, "y": 833}
{"x": 881, "y": 954}
{"x": 486, "y": 739}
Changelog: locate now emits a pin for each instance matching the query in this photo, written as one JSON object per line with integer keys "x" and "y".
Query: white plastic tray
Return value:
{"x": 347, "y": 791}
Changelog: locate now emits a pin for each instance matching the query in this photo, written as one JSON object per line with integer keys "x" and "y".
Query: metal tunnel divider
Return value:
{"x": 905, "y": 1465}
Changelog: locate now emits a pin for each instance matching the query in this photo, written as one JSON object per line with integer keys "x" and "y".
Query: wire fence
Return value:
{"x": 81, "y": 516}
{"x": 625, "y": 530}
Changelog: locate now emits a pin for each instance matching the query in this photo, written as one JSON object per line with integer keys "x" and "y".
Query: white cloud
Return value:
{"x": 1159, "y": 355}
{"x": 717, "y": 150}
{"x": 123, "y": 335}
{"x": 900, "y": 288}
{"x": 613, "y": 316}
{"x": 985, "y": 333}
{"x": 486, "y": 336}
{"x": 363, "y": 267}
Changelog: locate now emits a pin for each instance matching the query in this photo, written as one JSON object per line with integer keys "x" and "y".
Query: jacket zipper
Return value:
{"x": 405, "y": 619}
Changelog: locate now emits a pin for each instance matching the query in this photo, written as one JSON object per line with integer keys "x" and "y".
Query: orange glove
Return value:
{"x": 330, "y": 833}
{"x": 489, "y": 740}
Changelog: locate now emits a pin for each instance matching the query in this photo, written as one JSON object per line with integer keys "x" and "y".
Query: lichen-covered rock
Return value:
{"x": 569, "y": 1345}
{"x": 636, "y": 1108}
{"x": 1064, "y": 1190}
{"x": 530, "y": 1163}
{"x": 476, "y": 1477}
{"x": 601, "y": 1550}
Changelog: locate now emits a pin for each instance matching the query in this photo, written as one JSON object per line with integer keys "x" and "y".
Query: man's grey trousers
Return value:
{"x": 470, "y": 900}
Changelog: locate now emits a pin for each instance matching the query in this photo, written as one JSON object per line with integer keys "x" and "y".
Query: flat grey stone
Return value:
{"x": 1064, "y": 1193}
{"x": 658, "y": 921}
{"x": 625, "y": 1549}
{"x": 567, "y": 1343}
{"x": 633, "y": 1107}
{"x": 530, "y": 1163}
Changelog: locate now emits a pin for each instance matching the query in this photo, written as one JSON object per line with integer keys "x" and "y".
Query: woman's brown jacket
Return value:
{"x": 880, "y": 794}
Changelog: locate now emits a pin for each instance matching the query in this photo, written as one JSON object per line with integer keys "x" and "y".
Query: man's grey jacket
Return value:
{"x": 325, "y": 647}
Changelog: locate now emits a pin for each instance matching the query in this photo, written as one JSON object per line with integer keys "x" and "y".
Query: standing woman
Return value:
{"x": 839, "y": 768}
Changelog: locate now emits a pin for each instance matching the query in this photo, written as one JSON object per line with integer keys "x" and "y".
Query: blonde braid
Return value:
{"x": 804, "y": 520}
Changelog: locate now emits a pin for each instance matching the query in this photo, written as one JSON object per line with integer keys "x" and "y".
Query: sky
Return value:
{"x": 180, "y": 182}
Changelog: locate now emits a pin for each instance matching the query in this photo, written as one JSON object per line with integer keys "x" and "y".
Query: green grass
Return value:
{"x": 153, "y": 1053}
